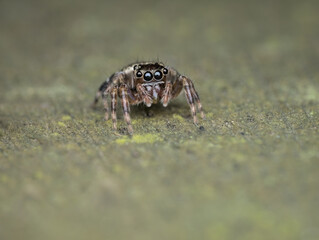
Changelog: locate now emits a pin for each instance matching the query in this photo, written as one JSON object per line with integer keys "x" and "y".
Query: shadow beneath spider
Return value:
{"x": 159, "y": 109}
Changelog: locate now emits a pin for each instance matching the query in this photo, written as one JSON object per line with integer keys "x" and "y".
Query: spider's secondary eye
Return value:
{"x": 158, "y": 75}
{"x": 165, "y": 71}
{"x": 148, "y": 76}
{"x": 139, "y": 74}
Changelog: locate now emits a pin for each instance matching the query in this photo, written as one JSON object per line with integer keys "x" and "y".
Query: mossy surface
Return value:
{"x": 250, "y": 172}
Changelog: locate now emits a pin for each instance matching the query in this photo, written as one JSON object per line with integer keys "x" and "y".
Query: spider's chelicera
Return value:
{"x": 148, "y": 83}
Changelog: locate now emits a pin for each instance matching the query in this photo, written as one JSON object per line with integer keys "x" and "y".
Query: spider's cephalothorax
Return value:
{"x": 148, "y": 83}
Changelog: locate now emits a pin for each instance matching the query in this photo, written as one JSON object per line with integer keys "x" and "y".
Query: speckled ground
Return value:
{"x": 252, "y": 174}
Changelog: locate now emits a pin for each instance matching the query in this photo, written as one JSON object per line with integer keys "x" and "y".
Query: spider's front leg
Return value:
{"x": 123, "y": 92}
{"x": 167, "y": 95}
{"x": 172, "y": 86}
{"x": 192, "y": 97}
{"x": 196, "y": 97}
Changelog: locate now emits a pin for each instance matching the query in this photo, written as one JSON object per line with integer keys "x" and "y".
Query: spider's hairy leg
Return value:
{"x": 187, "y": 84}
{"x": 196, "y": 97}
{"x": 144, "y": 95}
{"x": 170, "y": 86}
{"x": 134, "y": 97}
{"x": 113, "y": 106}
{"x": 105, "y": 104}
{"x": 167, "y": 95}
{"x": 123, "y": 89}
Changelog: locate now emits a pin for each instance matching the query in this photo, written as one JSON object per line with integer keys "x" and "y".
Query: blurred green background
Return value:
{"x": 253, "y": 172}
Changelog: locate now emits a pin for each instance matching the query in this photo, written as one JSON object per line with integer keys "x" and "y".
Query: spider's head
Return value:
{"x": 150, "y": 73}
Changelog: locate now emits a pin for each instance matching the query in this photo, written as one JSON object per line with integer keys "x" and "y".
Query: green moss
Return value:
{"x": 66, "y": 118}
{"x": 178, "y": 117}
{"x": 137, "y": 138}
{"x": 61, "y": 124}
{"x": 210, "y": 116}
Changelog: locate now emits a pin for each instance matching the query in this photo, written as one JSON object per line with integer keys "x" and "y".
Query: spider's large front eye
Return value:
{"x": 158, "y": 75}
{"x": 148, "y": 76}
{"x": 139, "y": 74}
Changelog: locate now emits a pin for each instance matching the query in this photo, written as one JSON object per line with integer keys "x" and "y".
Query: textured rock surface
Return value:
{"x": 251, "y": 174}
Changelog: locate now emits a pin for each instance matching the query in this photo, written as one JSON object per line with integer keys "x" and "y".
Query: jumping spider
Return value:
{"x": 147, "y": 82}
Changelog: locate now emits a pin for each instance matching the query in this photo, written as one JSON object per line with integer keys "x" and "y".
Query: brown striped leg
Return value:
{"x": 196, "y": 97}
{"x": 113, "y": 106}
{"x": 189, "y": 97}
{"x": 126, "y": 107}
{"x": 106, "y": 106}
{"x": 144, "y": 94}
{"x": 167, "y": 95}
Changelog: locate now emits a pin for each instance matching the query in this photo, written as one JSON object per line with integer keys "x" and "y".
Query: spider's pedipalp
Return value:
{"x": 144, "y": 95}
